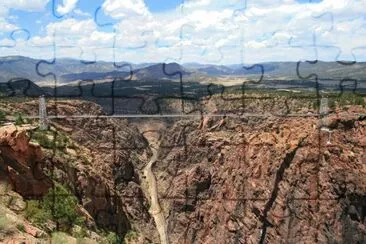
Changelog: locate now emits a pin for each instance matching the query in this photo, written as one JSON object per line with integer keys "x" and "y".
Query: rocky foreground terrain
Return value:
{"x": 219, "y": 179}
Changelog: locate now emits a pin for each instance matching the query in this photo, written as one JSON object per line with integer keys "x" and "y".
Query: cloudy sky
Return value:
{"x": 204, "y": 31}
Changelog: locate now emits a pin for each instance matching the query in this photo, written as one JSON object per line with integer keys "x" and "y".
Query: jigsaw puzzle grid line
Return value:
{"x": 182, "y": 97}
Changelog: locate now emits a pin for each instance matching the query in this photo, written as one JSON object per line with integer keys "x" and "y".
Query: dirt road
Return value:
{"x": 155, "y": 208}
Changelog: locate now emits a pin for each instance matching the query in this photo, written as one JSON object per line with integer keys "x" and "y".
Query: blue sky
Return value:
{"x": 162, "y": 5}
{"x": 206, "y": 31}
{"x": 28, "y": 20}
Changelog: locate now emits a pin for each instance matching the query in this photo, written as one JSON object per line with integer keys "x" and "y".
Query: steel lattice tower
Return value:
{"x": 324, "y": 112}
{"x": 42, "y": 113}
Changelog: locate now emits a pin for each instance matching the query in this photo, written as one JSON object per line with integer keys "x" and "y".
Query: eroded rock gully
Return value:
{"x": 272, "y": 180}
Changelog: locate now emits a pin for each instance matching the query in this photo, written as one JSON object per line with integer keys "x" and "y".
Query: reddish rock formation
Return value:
{"x": 275, "y": 182}
{"x": 249, "y": 180}
{"x": 21, "y": 162}
{"x": 102, "y": 170}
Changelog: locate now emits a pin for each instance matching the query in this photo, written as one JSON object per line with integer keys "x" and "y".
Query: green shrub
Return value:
{"x": 47, "y": 140}
{"x": 60, "y": 238}
{"x": 43, "y": 139}
{"x": 6, "y": 226}
{"x": 58, "y": 205}
{"x": 2, "y": 116}
{"x": 35, "y": 213}
{"x": 113, "y": 238}
{"x": 63, "y": 206}
{"x": 79, "y": 232}
{"x": 19, "y": 119}
{"x": 131, "y": 235}
{"x": 358, "y": 100}
{"x": 21, "y": 227}
{"x": 345, "y": 99}
{"x": 348, "y": 98}
{"x": 61, "y": 141}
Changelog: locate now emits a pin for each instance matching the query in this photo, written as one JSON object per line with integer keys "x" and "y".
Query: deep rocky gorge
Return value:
{"x": 266, "y": 179}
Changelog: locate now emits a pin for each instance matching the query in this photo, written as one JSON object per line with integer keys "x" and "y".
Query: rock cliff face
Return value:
{"x": 220, "y": 180}
{"x": 108, "y": 184}
{"x": 107, "y": 179}
{"x": 21, "y": 162}
{"x": 101, "y": 163}
{"x": 264, "y": 180}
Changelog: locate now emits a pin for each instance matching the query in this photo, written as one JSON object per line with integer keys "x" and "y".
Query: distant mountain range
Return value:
{"x": 146, "y": 87}
{"x": 68, "y": 70}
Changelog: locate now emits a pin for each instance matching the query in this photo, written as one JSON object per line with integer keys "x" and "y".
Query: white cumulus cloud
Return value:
{"x": 125, "y": 8}
{"x": 211, "y": 30}
{"x": 67, "y": 6}
{"x": 25, "y": 5}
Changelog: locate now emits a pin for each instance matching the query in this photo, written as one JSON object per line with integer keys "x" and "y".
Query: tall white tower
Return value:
{"x": 42, "y": 113}
{"x": 324, "y": 111}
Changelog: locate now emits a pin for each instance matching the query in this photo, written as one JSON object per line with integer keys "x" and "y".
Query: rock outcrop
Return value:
{"x": 261, "y": 179}
{"x": 101, "y": 163}
{"x": 21, "y": 162}
{"x": 264, "y": 180}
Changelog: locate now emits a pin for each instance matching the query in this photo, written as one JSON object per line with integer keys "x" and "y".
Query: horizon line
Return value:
{"x": 86, "y": 61}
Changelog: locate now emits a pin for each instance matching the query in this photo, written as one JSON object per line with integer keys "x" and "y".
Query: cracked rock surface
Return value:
{"x": 270, "y": 180}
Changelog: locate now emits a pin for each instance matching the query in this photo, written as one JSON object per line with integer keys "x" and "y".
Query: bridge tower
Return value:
{"x": 42, "y": 113}
{"x": 324, "y": 112}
